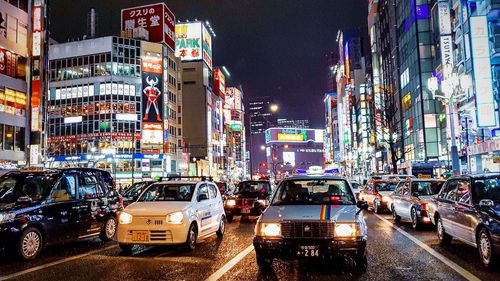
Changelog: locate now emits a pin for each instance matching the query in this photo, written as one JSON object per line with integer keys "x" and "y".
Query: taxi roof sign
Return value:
{"x": 315, "y": 170}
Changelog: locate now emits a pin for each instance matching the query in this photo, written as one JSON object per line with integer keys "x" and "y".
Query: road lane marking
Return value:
{"x": 460, "y": 270}
{"x": 54, "y": 263}
{"x": 230, "y": 264}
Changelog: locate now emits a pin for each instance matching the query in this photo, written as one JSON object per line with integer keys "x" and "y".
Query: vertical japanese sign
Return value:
{"x": 207, "y": 47}
{"x": 152, "y": 95}
{"x": 446, "y": 40}
{"x": 482, "y": 72}
{"x": 219, "y": 83}
{"x": 36, "y": 122}
{"x": 157, "y": 19}
{"x": 188, "y": 41}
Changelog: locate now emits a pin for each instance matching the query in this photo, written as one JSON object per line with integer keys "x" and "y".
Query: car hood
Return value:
{"x": 13, "y": 207}
{"x": 308, "y": 212}
{"x": 155, "y": 208}
{"x": 386, "y": 193}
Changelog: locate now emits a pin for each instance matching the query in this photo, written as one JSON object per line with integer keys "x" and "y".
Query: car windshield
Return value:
{"x": 426, "y": 187}
{"x": 252, "y": 187}
{"x": 168, "y": 192}
{"x": 314, "y": 192}
{"x": 35, "y": 186}
{"x": 486, "y": 189}
{"x": 355, "y": 185}
{"x": 136, "y": 188}
{"x": 386, "y": 186}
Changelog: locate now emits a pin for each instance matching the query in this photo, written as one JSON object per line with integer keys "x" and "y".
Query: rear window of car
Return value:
{"x": 426, "y": 187}
{"x": 253, "y": 187}
{"x": 314, "y": 192}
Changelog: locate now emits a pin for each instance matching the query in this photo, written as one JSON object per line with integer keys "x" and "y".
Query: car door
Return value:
{"x": 446, "y": 205}
{"x": 203, "y": 210}
{"x": 464, "y": 212}
{"x": 403, "y": 211}
{"x": 367, "y": 194}
{"x": 215, "y": 206}
{"x": 61, "y": 210}
{"x": 90, "y": 195}
{"x": 396, "y": 197}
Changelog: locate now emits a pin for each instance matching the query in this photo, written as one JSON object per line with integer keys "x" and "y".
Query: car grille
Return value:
{"x": 307, "y": 229}
{"x": 159, "y": 235}
{"x": 149, "y": 221}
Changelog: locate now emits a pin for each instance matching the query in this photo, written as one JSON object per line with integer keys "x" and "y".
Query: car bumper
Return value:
{"x": 9, "y": 235}
{"x": 237, "y": 211}
{"x": 287, "y": 249}
{"x": 168, "y": 234}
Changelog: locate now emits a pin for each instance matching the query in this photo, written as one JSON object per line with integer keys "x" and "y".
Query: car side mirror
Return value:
{"x": 415, "y": 194}
{"x": 24, "y": 200}
{"x": 486, "y": 203}
{"x": 362, "y": 205}
{"x": 202, "y": 197}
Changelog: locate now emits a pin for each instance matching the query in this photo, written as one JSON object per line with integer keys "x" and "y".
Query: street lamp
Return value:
{"x": 273, "y": 108}
{"x": 452, "y": 87}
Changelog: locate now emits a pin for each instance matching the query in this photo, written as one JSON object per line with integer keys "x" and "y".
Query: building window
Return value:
{"x": 9, "y": 137}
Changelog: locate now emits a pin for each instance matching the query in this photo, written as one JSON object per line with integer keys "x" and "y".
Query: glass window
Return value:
{"x": 16, "y": 185}
{"x": 9, "y": 137}
{"x": 1, "y": 136}
{"x": 65, "y": 190}
{"x": 253, "y": 187}
{"x": 426, "y": 188}
{"x": 314, "y": 192}
{"x": 486, "y": 189}
{"x": 87, "y": 185}
{"x": 449, "y": 190}
{"x": 463, "y": 192}
{"x": 203, "y": 190}
{"x": 168, "y": 192}
{"x": 212, "y": 191}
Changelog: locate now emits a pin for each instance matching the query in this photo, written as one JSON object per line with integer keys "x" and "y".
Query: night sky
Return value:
{"x": 271, "y": 47}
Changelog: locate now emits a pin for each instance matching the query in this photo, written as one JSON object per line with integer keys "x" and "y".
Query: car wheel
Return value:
{"x": 109, "y": 230}
{"x": 222, "y": 227}
{"x": 361, "y": 262}
{"x": 415, "y": 222}
{"x": 229, "y": 217}
{"x": 376, "y": 209}
{"x": 126, "y": 247}
{"x": 444, "y": 238}
{"x": 191, "y": 238}
{"x": 30, "y": 244}
{"x": 264, "y": 263}
{"x": 485, "y": 248}
{"x": 395, "y": 216}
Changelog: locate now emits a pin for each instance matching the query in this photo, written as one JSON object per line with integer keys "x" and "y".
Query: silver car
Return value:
{"x": 312, "y": 217}
{"x": 411, "y": 200}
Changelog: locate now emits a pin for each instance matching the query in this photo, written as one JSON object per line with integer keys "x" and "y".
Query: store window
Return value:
{"x": 9, "y": 137}
{"x": 19, "y": 139}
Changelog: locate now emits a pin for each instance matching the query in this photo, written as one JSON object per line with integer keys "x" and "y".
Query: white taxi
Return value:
{"x": 172, "y": 212}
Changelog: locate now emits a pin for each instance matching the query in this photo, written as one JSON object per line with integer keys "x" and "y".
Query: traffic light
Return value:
{"x": 263, "y": 165}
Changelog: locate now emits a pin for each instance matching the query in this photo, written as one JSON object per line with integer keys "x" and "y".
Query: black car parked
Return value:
{"x": 250, "y": 198}
{"x": 40, "y": 208}
{"x": 468, "y": 209}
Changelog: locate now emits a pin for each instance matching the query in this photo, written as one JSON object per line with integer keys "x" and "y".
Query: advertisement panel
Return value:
{"x": 152, "y": 95}
{"x": 157, "y": 19}
{"x": 446, "y": 44}
{"x": 219, "y": 83}
{"x": 3, "y": 61}
{"x": 188, "y": 41}
{"x": 482, "y": 72}
{"x": 444, "y": 18}
{"x": 294, "y": 135}
{"x": 36, "y": 89}
{"x": 207, "y": 47}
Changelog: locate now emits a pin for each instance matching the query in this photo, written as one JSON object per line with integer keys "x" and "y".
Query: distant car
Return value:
{"x": 40, "y": 208}
{"x": 312, "y": 217}
{"x": 392, "y": 177}
{"x": 176, "y": 212}
{"x": 131, "y": 194}
{"x": 468, "y": 209}
{"x": 356, "y": 187}
{"x": 249, "y": 198}
{"x": 411, "y": 199}
{"x": 378, "y": 194}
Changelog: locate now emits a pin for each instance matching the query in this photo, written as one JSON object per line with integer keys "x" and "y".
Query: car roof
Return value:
{"x": 432, "y": 179}
{"x": 478, "y": 176}
{"x": 181, "y": 182}
{"x": 315, "y": 177}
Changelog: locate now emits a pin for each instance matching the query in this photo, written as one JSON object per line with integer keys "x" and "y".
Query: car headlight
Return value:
{"x": 175, "y": 217}
{"x": 386, "y": 198}
{"x": 269, "y": 229}
{"x": 262, "y": 202}
{"x": 125, "y": 218}
{"x": 345, "y": 230}
{"x": 231, "y": 202}
{"x": 7, "y": 217}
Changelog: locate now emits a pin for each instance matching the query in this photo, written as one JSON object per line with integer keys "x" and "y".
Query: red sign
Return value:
{"x": 219, "y": 83}
{"x": 152, "y": 64}
{"x": 3, "y": 61}
{"x": 157, "y": 19}
{"x": 11, "y": 64}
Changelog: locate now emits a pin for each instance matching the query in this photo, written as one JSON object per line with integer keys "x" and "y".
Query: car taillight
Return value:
{"x": 120, "y": 199}
{"x": 423, "y": 206}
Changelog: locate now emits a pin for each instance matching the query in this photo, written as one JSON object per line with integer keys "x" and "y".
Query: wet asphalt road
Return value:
{"x": 391, "y": 256}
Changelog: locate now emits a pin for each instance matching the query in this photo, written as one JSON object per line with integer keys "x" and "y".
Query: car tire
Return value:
{"x": 361, "y": 262}
{"x": 486, "y": 249}
{"x": 229, "y": 217}
{"x": 415, "y": 222}
{"x": 264, "y": 263}
{"x": 126, "y": 247}
{"x": 222, "y": 227}
{"x": 30, "y": 244}
{"x": 108, "y": 231}
{"x": 376, "y": 209}
{"x": 444, "y": 238}
{"x": 191, "y": 238}
{"x": 395, "y": 216}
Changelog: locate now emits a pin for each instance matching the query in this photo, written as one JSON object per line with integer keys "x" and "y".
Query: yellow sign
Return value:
{"x": 290, "y": 137}
{"x": 424, "y": 176}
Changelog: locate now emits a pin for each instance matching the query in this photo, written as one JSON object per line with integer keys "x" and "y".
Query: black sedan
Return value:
{"x": 250, "y": 198}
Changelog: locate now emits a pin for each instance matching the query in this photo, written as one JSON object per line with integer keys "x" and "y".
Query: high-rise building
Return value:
{"x": 234, "y": 114}
{"x": 332, "y": 146}
{"x": 293, "y": 123}
{"x": 15, "y": 85}
{"x": 115, "y": 103}
{"x": 331, "y": 61}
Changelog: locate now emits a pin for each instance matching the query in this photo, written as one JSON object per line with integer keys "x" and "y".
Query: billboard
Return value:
{"x": 152, "y": 94}
{"x": 482, "y": 72}
{"x": 157, "y": 19}
{"x": 219, "y": 83}
{"x": 188, "y": 41}
{"x": 207, "y": 47}
{"x": 294, "y": 135}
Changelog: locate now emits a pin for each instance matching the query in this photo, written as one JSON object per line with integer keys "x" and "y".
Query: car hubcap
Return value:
{"x": 440, "y": 229}
{"x": 414, "y": 218}
{"x": 192, "y": 237}
{"x": 222, "y": 225}
{"x": 31, "y": 244}
{"x": 110, "y": 228}
{"x": 375, "y": 208}
{"x": 485, "y": 247}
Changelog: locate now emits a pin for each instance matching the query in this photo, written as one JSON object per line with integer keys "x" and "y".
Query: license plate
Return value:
{"x": 140, "y": 236}
{"x": 245, "y": 211}
{"x": 308, "y": 251}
